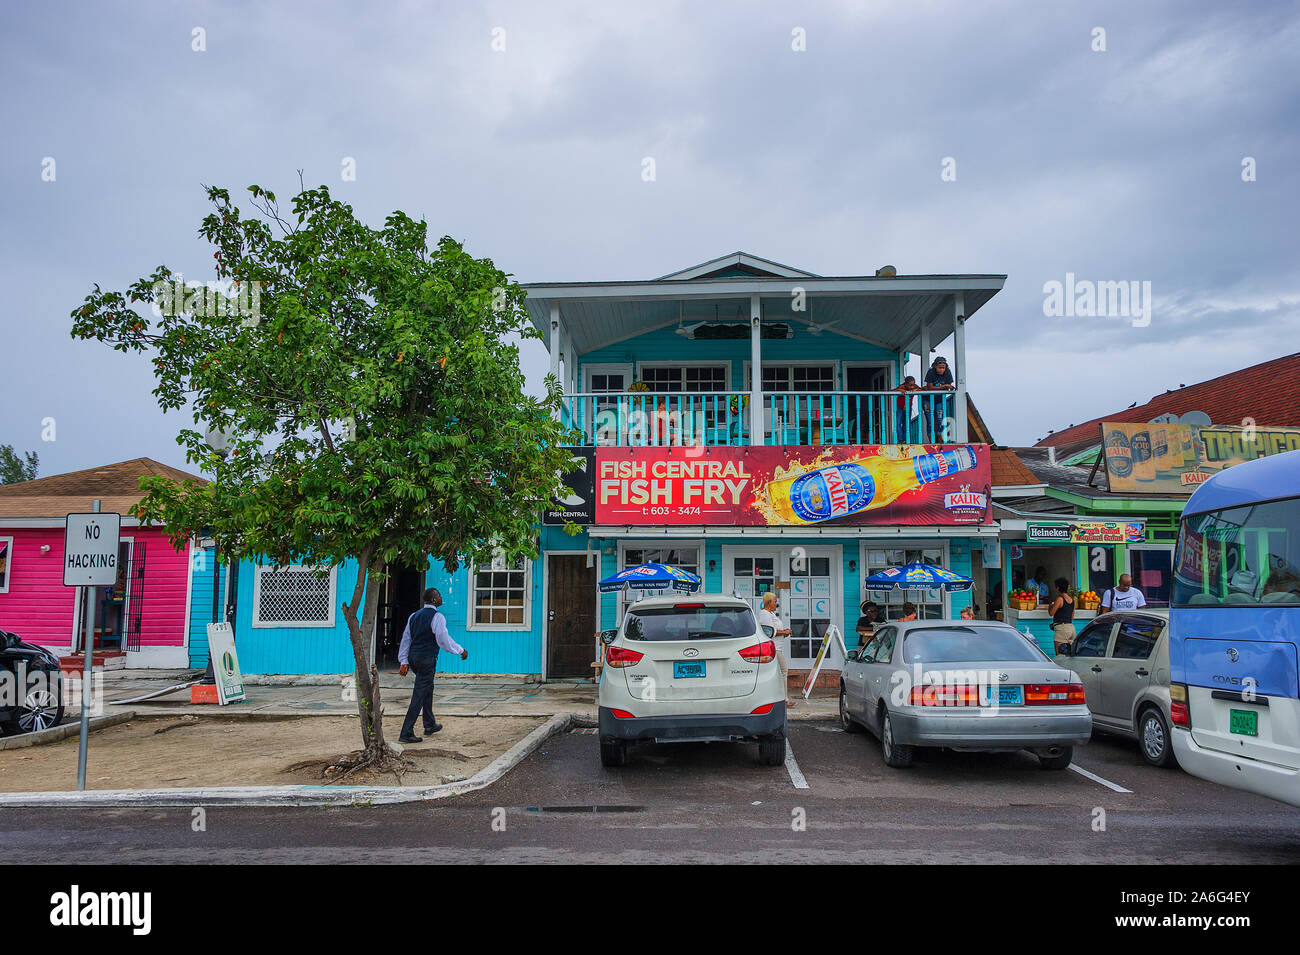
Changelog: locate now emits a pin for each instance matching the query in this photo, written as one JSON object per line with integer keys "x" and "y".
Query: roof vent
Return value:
{"x": 886, "y": 271}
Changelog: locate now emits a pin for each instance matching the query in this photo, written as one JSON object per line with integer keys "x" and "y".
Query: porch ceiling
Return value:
{"x": 885, "y": 310}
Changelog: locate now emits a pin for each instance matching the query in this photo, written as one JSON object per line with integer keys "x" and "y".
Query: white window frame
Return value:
{"x": 723, "y": 363}
{"x": 256, "y": 620}
{"x": 836, "y": 366}
{"x": 607, "y": 368}
{"x": 627, "y": 596}
{"x": 888, "y": 543}
{"x": 527, "y": 624}
{"x": 9, "y": 564}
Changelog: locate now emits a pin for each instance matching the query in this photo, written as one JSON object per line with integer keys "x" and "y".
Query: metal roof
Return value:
{"x": 885, "y": 310}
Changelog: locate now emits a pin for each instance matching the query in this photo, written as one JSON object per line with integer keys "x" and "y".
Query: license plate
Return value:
{"x": 688, "y": 669}
{"x": 1007, "y": 695}
{"x": 1243, "y": 722}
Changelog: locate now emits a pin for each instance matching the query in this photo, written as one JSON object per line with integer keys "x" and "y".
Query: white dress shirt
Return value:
{"x": 445, "y": 642}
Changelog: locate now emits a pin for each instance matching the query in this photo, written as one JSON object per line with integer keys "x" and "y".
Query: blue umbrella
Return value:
{"x": 652, "y": 577}
{"x": 918, "y": 577}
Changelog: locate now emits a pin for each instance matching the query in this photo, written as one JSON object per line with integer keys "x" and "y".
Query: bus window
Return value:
{"x": 1241, "y": 556}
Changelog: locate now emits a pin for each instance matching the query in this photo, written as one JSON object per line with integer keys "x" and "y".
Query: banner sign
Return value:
{"x": 841, "y": 485}
{"x": 1175, "y": 458}
{"x": 579, "y": 484}
{"x": 1085, "y": 532}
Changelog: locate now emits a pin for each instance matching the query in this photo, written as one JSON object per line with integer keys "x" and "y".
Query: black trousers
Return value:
{"x": 424, "y": 669}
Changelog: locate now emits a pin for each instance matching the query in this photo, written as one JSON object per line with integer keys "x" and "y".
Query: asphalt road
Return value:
{"x": 714, "y": 803}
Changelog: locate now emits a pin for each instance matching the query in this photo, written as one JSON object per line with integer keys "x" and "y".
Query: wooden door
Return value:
{"x": 570, "y": 617}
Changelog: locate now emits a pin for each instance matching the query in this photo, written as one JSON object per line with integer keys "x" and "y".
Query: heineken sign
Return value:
{"x": 1085, "y": 532}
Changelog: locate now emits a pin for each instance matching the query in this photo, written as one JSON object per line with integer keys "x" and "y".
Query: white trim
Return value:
{"x": 527, "y": 624}
{"x": 189, "y": 596}
{"x": 723, "y": 363}
{"x": 255, "y": 618}
{"x": 945, "y": 598}
{"x": 544, "y": 557}
{"x": 737, "y": 258}
{"x": 9, "y": 564}
{"x": 834, "y": 363}
{"x": 40, "y": 522}
{"x": 890, "y": 366}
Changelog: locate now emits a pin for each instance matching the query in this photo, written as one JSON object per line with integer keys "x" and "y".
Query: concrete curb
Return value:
{"x": 61, "y": 732}
{"x": 298, "y": 795}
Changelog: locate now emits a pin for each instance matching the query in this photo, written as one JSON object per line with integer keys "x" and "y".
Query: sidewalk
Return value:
{"x": 323, "y": 696}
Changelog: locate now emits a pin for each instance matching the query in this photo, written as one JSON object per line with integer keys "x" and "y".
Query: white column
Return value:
{"x": 925, "y": 353}
{"x": 959, "y": 365}
{"x": 756, "y": 371}
{"x": 555, "y": 340}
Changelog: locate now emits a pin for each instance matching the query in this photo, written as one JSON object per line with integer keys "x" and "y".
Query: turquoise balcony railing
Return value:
{"x": 648, "y": 419}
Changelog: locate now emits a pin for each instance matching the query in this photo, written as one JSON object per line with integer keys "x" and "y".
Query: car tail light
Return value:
{"x": 935, "y": 694}
{"x": 687, "y": 606}
{"x": 622, "y": 715}
{"x": 1179, "y": 712}
{"x": 619, "y": 657}
{"x": 762, "y": 710}
{"x": 764, "y": 652}
{"x": 1054, "y": 694}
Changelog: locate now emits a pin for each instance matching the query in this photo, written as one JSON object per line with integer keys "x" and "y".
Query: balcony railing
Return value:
{"x": 648, "y": 419}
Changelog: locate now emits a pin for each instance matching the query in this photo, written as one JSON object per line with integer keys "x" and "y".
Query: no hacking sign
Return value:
{"x": 90, "y": 550}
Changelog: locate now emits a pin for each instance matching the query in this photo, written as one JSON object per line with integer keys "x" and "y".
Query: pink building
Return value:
{"x": 143, "y": 621}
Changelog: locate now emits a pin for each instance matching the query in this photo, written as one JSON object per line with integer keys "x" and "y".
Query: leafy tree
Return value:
{"x": 370, "y": 391}
{"x": 13, "y": 468}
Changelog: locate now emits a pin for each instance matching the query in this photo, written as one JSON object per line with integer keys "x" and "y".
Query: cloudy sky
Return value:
{"x": 1122, "y": 164}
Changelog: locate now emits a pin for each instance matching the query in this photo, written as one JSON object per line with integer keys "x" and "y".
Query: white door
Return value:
{"x": 807, "y": 600}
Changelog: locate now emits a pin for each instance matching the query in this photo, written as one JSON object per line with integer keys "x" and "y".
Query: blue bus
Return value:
{"x": 1234, "y": 629}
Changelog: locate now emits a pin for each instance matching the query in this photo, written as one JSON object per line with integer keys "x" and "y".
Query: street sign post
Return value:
{"x": 90, "y": 547}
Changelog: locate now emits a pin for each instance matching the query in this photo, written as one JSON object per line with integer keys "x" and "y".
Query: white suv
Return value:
{"x": 686, "y": 669}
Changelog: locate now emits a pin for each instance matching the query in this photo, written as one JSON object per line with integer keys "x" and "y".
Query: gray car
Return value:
{"x": 962, "y": 684}
{"x": 1123, "y": 660}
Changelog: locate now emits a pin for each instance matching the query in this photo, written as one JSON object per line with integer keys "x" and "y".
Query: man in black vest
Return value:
{"x": 425, "y": 633}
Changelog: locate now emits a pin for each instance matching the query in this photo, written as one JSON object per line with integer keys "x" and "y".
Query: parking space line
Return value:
{"x": 1097, "y": 779}
{"x": 796, "y": 775}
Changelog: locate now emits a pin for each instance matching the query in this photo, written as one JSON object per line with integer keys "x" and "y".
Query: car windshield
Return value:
{"x": 1241, "y": 556}
{"x": 690, "y": 621}
{"x": 968, "y": 644}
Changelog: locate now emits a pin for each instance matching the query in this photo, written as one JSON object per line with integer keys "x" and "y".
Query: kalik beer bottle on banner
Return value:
{"x": 863, "y": 484}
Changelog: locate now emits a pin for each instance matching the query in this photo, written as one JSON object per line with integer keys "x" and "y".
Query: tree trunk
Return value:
{"x": 361, "y": 633}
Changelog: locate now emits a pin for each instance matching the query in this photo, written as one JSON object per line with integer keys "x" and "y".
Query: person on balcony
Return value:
{"x": 938, "y": 378}
{"x": 903, "y": 411}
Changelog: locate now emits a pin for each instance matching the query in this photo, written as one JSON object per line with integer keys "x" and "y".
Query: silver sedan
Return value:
{"x": 964, "y": 685}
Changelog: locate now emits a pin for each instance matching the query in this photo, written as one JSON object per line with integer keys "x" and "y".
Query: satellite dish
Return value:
{"x": 1195, "y": 417}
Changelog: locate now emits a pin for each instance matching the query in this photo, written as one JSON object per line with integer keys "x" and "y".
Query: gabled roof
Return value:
{"x": 116, "y": 486}
{"x": 1268, "y": 393}
{"x": 737, "y": 264}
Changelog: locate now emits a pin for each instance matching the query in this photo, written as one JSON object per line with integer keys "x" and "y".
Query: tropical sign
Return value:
{"x": 794, "y": 485}
{"x": 1177, "y": 458}
{"x": 1085, "y": 532}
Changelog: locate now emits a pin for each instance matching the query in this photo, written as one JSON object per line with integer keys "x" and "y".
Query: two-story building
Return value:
{"x": 739, "y": 419}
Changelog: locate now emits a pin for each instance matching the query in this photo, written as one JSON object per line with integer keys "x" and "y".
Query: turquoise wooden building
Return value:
{"x": 831, "y": 351}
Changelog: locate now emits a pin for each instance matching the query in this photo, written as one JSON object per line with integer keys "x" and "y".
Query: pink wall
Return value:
{"x": 39, "y": 608}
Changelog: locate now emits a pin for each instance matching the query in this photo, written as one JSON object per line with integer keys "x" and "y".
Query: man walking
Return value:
{"x": 1123, "y": 597}
{"x": 425, "y": 633}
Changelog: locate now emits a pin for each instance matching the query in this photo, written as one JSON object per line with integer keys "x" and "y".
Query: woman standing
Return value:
{"x": 767, "y": 617}
{"x": 1062, "y": 610}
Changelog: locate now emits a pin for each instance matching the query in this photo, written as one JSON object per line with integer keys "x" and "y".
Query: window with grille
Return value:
{"x": 929, "y": 603}
{"x": 777, "y": 378}
{"x": 499, "y": 595}
{"x": 6, "y": 551}
{"x": 293, "y": 597}
{"x": 687, "y": 558}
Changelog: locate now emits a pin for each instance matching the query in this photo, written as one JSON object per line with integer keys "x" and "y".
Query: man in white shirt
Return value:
{"x": 425, "y": 634}
{"x": 1124, "y": 596}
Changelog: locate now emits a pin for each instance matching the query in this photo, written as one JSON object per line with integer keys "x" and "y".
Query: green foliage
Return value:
{"x": 375, "y": 406}
{"x": 13, "y": 468}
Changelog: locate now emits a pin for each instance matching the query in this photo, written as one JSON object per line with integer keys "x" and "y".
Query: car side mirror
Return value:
{"x": 769, "y": 631}
{"x": 1065, "y": 650}
{"x": 607, "y": 636}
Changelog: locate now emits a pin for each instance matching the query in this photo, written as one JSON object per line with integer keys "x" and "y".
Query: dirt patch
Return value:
{"x": 173, "y": 752}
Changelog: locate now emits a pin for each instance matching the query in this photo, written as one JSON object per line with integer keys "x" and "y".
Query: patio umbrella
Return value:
{"x": 652, "y": 577}
{"x": 918, "y": 577}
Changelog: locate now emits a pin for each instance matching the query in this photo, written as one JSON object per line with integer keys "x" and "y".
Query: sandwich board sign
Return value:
{"x": 90, "y": 543}
{"x": 832, "y": 633}
{"x": 225, "y": 663}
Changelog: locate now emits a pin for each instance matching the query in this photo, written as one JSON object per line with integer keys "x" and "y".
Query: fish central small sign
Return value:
{"x": 90, "y": 545}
